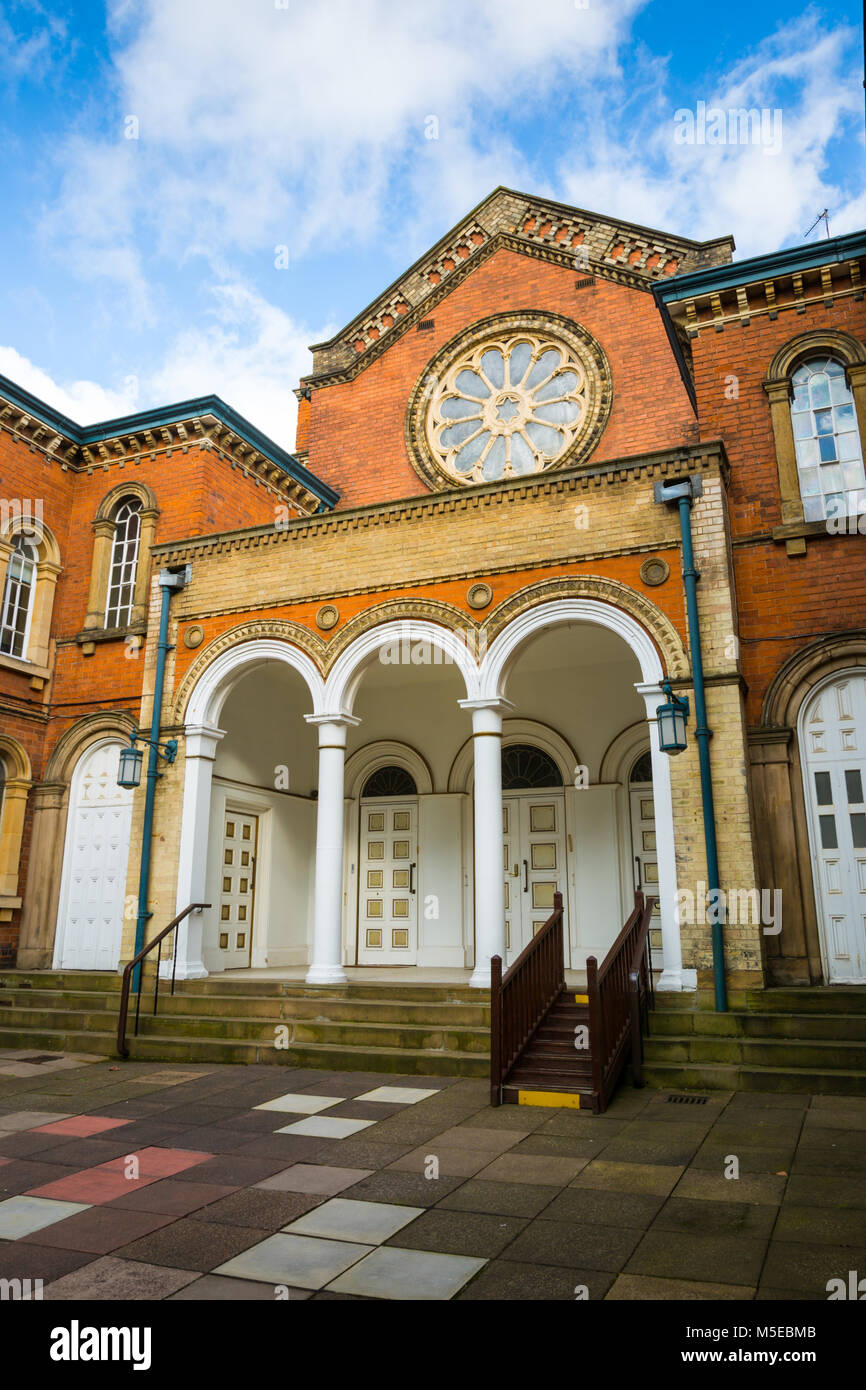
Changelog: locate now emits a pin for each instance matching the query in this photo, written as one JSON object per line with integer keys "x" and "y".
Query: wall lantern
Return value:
{"x": 131, "y": 759}
{"x": 673, "y": 717}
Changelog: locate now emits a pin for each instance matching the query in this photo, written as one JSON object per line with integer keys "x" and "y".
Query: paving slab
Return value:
{"x": 368, "y": 1223}
{"x": 408, "y": 1275}
{"x": 302, "y": 1261}
{"x": 116, "y": 1280}
{"x": 510, "y": 1280}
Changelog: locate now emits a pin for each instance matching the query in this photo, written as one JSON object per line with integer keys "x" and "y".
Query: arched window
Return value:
{"x": 18, "y": 594}
{"x": 643, "y": 769}
{"x": 124, "y": 563}
{"x": 525, "y": 767}
{"x": 390, "y": 781}
{"x": 826, "y": 439}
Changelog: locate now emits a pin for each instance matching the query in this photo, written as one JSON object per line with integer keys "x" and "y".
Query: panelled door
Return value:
{"x": 533, "y": 825}
{"x": 835, "y": 760}
{"x": 387, "y": 899}
{"x": 95, "y": 863}
{"x": 237, "y": 895}
{"x": 645, "y": 866}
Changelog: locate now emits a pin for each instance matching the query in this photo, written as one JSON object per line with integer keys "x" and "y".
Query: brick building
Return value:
{"x": 430, "y": 644}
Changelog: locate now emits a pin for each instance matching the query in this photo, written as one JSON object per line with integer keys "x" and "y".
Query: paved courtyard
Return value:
{"x": 158, "y": 1181}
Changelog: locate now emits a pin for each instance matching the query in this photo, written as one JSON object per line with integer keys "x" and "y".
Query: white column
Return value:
{"x": 672, "y": 972}
{"x": 326, "y": 966}
{"x": 489, "y": 873}
{"x": 200, "y": 745}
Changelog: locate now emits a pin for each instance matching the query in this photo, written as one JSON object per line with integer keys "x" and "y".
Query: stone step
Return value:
{"x": 414, "y": 1062}
{"x": 687, "y": 1076}
{"x": 299, "y": 1031}
{"x": 100, "y": 980}
{"x": 845, "y": 1027}
{"x": 815, "y": 999}
{"x": 819, "y": 1054}
{"x": 237, "y": 1005}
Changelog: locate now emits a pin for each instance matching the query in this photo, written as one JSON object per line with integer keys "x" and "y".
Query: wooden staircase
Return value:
{"x": 551, "y": 1062}
{"x": 552, "y": 1046}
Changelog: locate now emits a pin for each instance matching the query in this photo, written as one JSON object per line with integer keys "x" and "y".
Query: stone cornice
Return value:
{"x": 596, "y": 247}
{"x": 618, "y": 472}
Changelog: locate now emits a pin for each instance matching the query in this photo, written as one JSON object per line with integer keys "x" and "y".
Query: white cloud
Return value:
{"x": 249, "y": 352}
{"x": 82, "y": 401}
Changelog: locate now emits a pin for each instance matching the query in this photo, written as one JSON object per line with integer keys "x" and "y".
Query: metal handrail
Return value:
{"x": 122, "y": 1048}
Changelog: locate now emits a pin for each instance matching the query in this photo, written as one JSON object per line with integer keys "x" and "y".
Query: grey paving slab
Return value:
{"x": 507, "y": 1280}
{"x": 408, "y": 1275}
{"x": 117, "y": 1280}
{"x": 301, "y": 1261}
{"x": 345, "y": 1219}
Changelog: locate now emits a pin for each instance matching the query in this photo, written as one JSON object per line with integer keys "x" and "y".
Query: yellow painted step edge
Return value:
{"x": 555, "y": 1099}
{"x": 581, "y": 999}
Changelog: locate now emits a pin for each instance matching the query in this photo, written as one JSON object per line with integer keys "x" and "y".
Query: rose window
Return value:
{"x": 511, "y": 407}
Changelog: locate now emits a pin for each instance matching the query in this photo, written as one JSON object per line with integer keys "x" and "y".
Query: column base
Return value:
{"x": 326, "y": 975}
{"x": 480, "y": 977}
{"x": 186, "y": 970}
{"x": 671, "y": 981}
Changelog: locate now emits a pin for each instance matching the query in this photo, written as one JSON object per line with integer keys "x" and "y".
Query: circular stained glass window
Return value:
{"x": 513, "y": 406}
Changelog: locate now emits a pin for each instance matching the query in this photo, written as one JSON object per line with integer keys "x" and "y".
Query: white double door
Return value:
{"x": 835, "y": 773}
{"x": 388, "y": 889}
{"x": 92, "y": 895}
{"x": 533, "y": 829}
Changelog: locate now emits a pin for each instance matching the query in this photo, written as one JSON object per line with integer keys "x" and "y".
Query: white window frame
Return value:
{"x": 10, "y": 609}
{"x": 117, "y": 614}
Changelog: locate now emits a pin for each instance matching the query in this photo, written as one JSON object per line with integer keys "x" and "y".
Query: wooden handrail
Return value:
{"x": 520, "y": 998}
{"x": 122, "y": 1048}
{"x": 614, "y": 991}
{"x": 640, "y": 984}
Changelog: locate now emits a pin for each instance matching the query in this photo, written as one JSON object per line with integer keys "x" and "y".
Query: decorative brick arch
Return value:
{"x": 73, "y": 742}
{"x": 795, "y": 680}
{"x": 397, "y": 610}
{"x": 603, "y": 600}
{"x": 306, "y": 654}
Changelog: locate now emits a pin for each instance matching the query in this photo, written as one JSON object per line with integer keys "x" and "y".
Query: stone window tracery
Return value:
{"x": 508, "y": 398}
{"x": 510, "y": 407}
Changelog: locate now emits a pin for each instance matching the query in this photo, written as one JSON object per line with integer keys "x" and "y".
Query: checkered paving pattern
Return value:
{"x": 145, "y": 1181}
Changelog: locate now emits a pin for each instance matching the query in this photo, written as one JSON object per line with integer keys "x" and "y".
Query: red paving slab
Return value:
{"x": 94, "y": 1185}
{"x": 81, "y": 1126}
{"x": 159, "y": 1163}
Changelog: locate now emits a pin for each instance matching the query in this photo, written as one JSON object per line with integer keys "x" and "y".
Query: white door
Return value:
{"x": 237, "y": 891}
{"x": 645, "y": 866}
{"x": 533, "y": 825}
{"x": 93, "y": 890}
{"x": 387, "y": 899}
{"x": 835, "y": 768}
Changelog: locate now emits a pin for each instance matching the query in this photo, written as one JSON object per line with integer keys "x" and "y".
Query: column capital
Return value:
{"x": 333, "y": 728}
{"x": 201, "y": 740}
{"x": 487, "y": 714}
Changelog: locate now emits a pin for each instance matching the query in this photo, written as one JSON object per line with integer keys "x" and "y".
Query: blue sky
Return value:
{"x": 139, "y": 271}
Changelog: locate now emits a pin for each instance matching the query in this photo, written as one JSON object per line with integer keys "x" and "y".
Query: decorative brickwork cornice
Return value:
{"x": 129, "y": 441}
{"x": 606, "y": 248}
{"x": 704, "y": 457}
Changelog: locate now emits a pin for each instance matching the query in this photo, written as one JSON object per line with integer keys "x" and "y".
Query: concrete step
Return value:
{"x": 848, "y": 1027}
{"x": 99, "y": 980}
{"x": 815, "y": 999}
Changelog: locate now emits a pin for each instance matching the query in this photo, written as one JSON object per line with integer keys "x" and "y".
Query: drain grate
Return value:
{"x": 687, "y": 1100}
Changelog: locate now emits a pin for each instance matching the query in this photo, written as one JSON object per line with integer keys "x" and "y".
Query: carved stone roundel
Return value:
{"x": 514, "y": 397}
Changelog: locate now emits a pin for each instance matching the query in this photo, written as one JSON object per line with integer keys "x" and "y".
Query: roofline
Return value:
{"x": 793, "y": 259}
{"x": 84, "y": 435}
{"x": 446, "y": 238}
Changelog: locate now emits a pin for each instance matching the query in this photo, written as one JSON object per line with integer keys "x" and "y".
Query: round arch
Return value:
{"x": 386, "y": 753}
{"x": 16, "y": 759}
{"x": 622, "y": 752}
{"x": 829, "y": 340}
{"x": 204, "y": 701}
{"x": 503, "y": 651}
{"x": 344, "y": 680}
{"x": 130, "y": 488}
{"x": 460, "y": 778}
{"x": 795, "y": 680}
{"x": 71, "y": 744}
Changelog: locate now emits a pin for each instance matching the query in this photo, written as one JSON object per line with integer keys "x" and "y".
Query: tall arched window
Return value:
{"x": 124, "y": 562}
{"x": 826, "y": 439}
{"x": 18, "y": 594}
